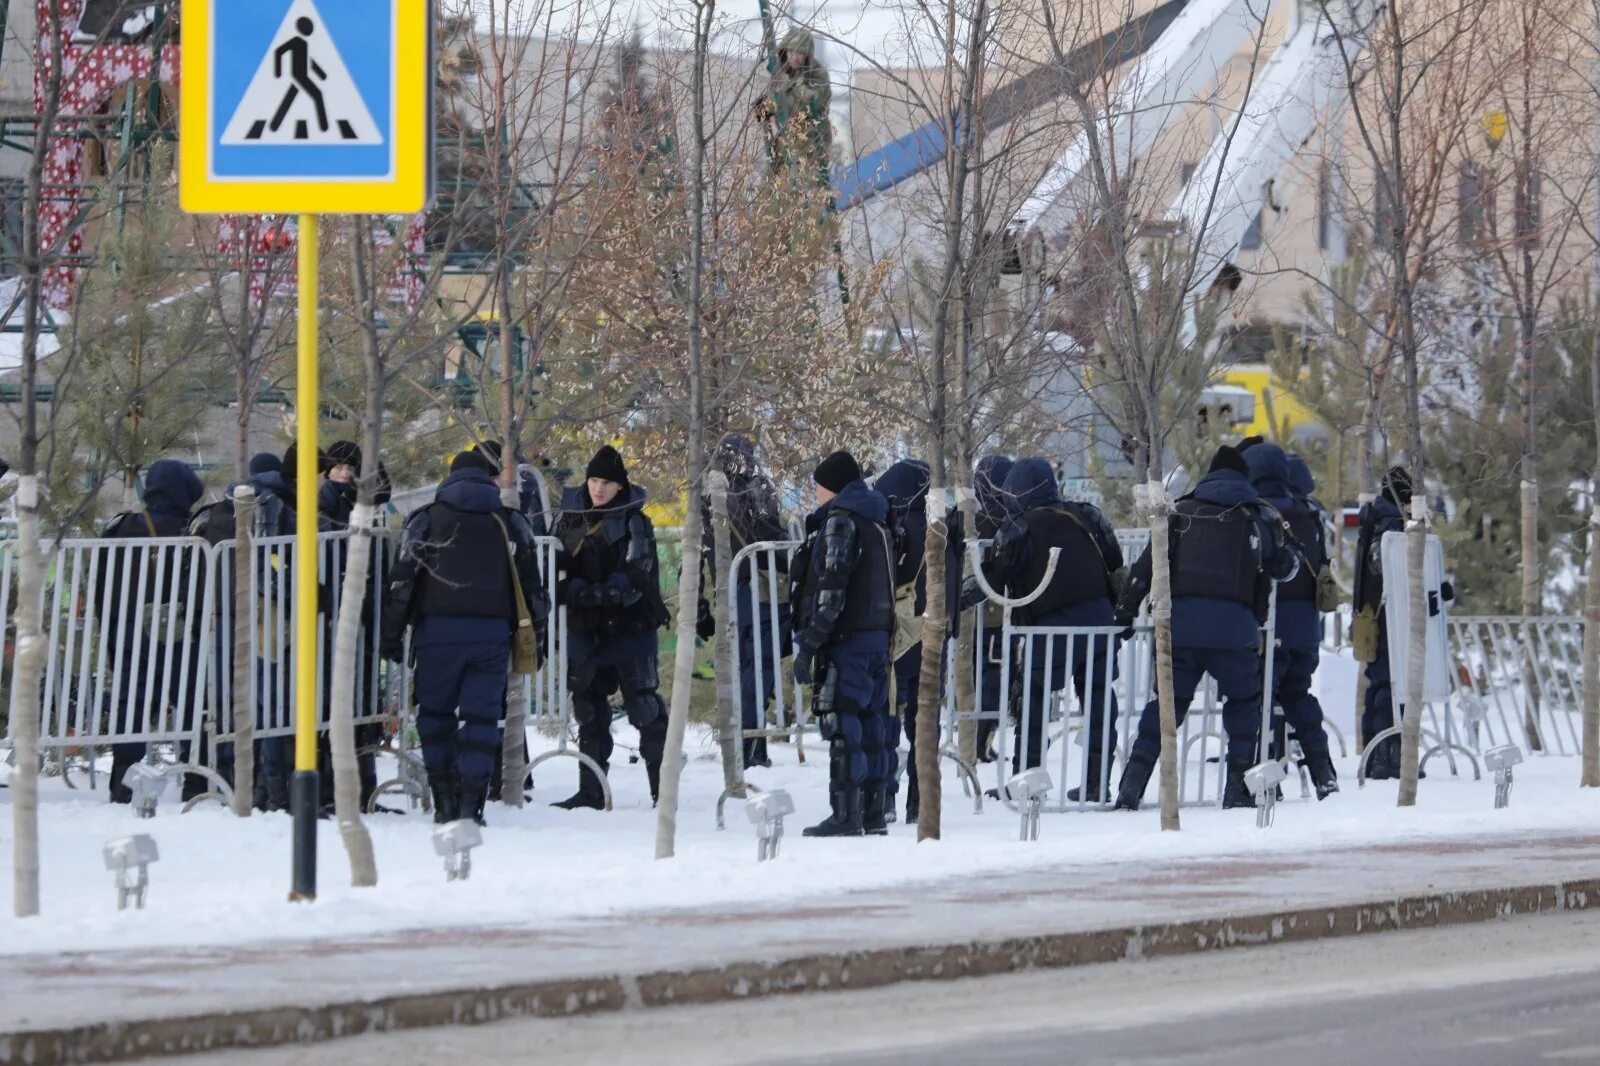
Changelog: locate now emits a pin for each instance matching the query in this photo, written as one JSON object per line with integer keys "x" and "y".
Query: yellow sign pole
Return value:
{"x": 304, "y": 799}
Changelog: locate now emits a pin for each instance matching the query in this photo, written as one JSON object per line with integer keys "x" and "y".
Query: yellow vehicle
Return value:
{"x": 1278, "y": 413}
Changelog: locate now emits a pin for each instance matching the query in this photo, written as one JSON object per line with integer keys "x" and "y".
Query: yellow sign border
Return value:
{"x": 405, "y": 193}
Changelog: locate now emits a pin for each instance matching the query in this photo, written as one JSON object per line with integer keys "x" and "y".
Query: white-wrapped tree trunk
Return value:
{"x": 348, "y": 662}
{"x": 25, "y": 709}
{"x": 1153, "y": 502}
{"x": 935, "y": 632}
{"x": 1591, "y": 649}
{"x": 730, "y": 724}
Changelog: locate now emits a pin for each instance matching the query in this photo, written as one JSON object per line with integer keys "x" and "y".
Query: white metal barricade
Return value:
{"x": 547, "y": 703}
{"x": 124, "y": 625}
{"x": 760, "y": 570}
{"x": 1519, "y": 681}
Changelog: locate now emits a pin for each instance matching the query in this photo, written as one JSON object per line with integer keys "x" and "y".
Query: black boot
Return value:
{"x": 755, "y": 754}
{"x": 1096, "y": 782}
{"x": 1134, "y": 781}
{"x": 913, "y": 799}
{"x": 1384, "y": 765}
{"x": 590, "y": 796}
{"x": 471, "y": 796}
{"x": 1236, "y": 793}
{"x": 652, "y": 771}
{"x": 874, "y": 812}
{"x": 121, "y": 762}
{"x": 846, "y": 818}
{"x": 277, "y": 792}
{"x": 446, "y": 798}
{"x": 1319, "y": 764}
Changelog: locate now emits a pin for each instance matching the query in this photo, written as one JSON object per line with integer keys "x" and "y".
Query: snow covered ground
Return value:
{"x": 223, "y": 880}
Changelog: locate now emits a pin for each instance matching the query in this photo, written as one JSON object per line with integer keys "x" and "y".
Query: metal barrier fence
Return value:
{"x": 139, "y": 638}
{"x": 760, "y": 593}
{"x": 1519, "y": 681}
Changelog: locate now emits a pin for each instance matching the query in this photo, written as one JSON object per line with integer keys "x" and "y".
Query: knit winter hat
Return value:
{"x": 472, "y": 459}
{"x": 265, "y": 463}
{"x": 607, "y": 466}
{"x": 291, "y": 461}
{"x": 344, "y": 453}
{"x": 1229, "y": 459}
{"x": 837, "y": 471}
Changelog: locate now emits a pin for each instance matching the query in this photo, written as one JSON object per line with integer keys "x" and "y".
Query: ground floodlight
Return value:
{"x": 766, "y": 812}
{"x": 454, "y": 842}
{"x": 1263, "y": 782}
{"x": 1501, "y": 760}
{"x": 129, "y": 858}
{"x": 1028, "y": 790}
{"x": 148, "y": 784}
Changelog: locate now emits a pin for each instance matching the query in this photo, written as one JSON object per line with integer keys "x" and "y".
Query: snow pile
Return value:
{"x": 222, "y": 880}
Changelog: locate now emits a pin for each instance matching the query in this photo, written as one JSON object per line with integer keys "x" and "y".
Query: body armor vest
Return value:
{"x": 869, "y": 605}
{"x": 469, "y": 567}
{"x": 1080, "y": 574}
{"x": 1216, "y": 553}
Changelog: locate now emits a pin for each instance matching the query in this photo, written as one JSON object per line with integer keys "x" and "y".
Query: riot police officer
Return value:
{"x": 843, "y": 598}
{"x": 988, "y": 482}
{"x": 753, "y": 517}
{"x": 1386, "y": 514}
{"x": 453, "y": 586}
{"x": 1287, "y": 486}
{"x": 1081, "y": 592}
{"x": 1227, "y": 546}
{"x": 614, "y": 608}
{"x": 171, "y": 489}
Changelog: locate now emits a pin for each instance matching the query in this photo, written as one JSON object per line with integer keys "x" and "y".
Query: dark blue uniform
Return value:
{"x": 989, "y": 478}
{"x": 1383, "y": 515}
{"x": 271, "y": 516}
{"x": 452, "y": 584}
{"x": 1079, "y": 594}
{"x": 843, "y": 598}
{"x": 1284, "y": 481}
{"x": 754, "y": 517}
{"x": 1226, "y": 546}
{"x": 171, "y": 489}
{"x": 614, "y": 608}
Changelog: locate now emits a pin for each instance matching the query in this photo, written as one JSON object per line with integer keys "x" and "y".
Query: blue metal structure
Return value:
{"x": 924, "y": 147}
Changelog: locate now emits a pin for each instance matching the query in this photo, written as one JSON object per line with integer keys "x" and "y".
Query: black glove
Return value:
{"x": 705, "y": 624}
{"x": 1448, "y": 591}
{"x": 1125, "y": 624}
{"x": 804, "y": 665}
{"x": 393, "y": 651}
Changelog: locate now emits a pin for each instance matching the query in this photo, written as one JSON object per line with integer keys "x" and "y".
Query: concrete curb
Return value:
{"x": 874, "y": 968}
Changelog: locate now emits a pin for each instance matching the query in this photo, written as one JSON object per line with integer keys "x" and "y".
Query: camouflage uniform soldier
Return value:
{"x": 795, "y": 108}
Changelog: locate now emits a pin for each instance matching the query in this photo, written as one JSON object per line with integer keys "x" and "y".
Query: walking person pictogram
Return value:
{"x": 301, "y": 67}
{"x": 302, "y": 92}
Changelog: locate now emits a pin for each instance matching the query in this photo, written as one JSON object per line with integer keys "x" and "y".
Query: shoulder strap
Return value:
{"x": 1081, "y": 524}
{"x": 149, "y": 523}
{"x": 511, "y": 562}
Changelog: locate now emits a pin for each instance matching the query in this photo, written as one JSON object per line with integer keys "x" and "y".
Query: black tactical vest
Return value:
{"x": 1216, "y": 553}
{"x": 468, "y": 571}
{"x": 1306, "y": 525}
{"x": 869, "y": 605}
{"x": 1080, "y": 574}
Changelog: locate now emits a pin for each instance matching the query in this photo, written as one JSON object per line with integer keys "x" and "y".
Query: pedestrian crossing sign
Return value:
{"x": 306, "y": 106}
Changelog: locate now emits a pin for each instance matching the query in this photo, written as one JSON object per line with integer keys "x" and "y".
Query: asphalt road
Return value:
{"x": 1512, "y": 992}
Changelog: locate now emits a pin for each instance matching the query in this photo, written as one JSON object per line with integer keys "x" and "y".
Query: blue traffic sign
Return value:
{"x": 306, "y": 105}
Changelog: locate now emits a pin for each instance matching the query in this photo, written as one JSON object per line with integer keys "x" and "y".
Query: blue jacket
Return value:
{"x": 1273, "y": 474}
{"x": 1031, "y": 486}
